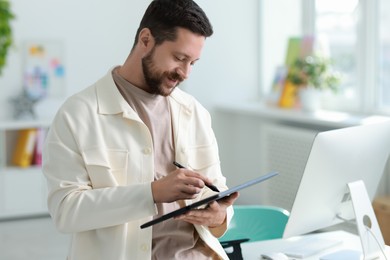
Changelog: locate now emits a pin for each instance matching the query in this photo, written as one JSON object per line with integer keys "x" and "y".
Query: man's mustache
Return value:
{"x": 175, "y": 76}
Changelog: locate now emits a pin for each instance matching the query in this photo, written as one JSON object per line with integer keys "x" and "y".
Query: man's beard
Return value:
{"x": 154, "y": 78}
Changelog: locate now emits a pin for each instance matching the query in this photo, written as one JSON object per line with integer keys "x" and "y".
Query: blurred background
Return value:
{"x": 61, "y": 47}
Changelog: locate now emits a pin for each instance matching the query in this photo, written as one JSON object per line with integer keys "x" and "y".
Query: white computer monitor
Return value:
{"x": 338, "y": 157}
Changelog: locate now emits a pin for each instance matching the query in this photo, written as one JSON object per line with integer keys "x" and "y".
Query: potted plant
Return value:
{"x": 5, "y": 31}
{"x": 313, "y": 74}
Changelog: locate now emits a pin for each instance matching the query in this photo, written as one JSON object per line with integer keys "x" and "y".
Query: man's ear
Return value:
{"x": 146, "y": 39}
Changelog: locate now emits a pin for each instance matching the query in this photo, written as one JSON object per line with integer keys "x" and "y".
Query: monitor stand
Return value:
{"x": 373, "y": 245}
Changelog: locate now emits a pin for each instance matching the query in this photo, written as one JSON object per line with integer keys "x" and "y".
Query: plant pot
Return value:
{"x": 310, "y": 99}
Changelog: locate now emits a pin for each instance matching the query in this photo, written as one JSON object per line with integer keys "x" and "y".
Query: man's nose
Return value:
{"x": 184, "y": 70}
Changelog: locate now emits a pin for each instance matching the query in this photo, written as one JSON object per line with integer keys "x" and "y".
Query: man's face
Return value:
{"x": 168, "y": 64}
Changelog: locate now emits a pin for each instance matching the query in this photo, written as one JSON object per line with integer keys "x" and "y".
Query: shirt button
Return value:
{"x": 144, "y": 247}
{"x": 147, "y": 150}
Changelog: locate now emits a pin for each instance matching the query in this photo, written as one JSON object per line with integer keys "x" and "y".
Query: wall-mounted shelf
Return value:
{"x": 23, "y": 190}
{"x": 320, "y": 118}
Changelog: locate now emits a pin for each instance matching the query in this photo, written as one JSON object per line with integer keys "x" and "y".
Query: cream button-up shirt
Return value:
{"x": 98, "y": 161}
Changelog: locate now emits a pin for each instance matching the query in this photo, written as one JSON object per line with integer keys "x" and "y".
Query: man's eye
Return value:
{"x": 179, "y": 58}
{"x": 184, "y": 60}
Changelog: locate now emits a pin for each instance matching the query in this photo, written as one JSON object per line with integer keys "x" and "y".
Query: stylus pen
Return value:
{"x": 210, "y": 186}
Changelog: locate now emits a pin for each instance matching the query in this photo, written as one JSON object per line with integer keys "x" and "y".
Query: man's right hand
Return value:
{"x": 178, "y": 185}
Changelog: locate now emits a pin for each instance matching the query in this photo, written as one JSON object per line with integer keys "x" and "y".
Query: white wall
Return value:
{"x": 99, "y": 34}
{"x": 277, "y": 26}
{"x": 228, "y": 69}
{"x": 96, "y": 35}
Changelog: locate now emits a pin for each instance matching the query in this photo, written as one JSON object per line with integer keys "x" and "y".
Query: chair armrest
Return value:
{"x": 236, "y": 254}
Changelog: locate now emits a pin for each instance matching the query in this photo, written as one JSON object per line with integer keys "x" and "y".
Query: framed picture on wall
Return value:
{"x": 44, "y": 69}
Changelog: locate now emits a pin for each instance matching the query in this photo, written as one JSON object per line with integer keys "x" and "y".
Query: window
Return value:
{"x": 336, "y": 30}
{"x": 384, "y": 54}
{"x": 359, "y": 44}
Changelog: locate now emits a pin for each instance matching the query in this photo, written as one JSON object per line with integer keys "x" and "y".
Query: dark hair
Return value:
{"x": 163, "y": 17}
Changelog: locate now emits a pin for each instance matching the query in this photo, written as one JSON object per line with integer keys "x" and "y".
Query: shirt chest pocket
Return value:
{"x": 201, "y": 157}
{"x": 106, "y": 167}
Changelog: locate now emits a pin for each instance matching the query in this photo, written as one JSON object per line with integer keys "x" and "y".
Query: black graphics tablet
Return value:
{"x": 207, "y": 200}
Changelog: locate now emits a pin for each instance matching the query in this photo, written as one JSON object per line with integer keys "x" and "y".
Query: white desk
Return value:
{"x": 253, "y": 250}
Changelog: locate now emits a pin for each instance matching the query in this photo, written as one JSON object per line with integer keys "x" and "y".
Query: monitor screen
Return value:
{"x": 338, "y": 157}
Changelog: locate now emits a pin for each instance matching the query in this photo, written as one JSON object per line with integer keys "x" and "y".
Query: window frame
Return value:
{"x": 368, "y": 48}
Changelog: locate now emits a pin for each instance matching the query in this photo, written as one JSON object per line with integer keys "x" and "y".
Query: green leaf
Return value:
{"x": 6, "y": 16}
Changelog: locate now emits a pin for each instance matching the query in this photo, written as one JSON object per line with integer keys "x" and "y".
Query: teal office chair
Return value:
{"x": 253, "y": 223}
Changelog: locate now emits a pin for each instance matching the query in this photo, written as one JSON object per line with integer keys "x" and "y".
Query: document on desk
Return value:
{"x": 310, "y": 246}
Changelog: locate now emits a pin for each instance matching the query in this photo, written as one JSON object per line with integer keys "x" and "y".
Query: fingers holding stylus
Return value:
{"x": 177, "y": 185}
{"x": 207, "y": 181}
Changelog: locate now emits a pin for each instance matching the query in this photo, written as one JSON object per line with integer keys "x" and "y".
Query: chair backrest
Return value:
{"x": 256, "y": 223}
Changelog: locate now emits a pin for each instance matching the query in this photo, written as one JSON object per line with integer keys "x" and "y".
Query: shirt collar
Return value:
{"x": 111, "y": 101}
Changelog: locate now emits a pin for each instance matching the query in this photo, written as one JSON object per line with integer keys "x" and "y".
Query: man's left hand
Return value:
{"x": 213, "y": 215}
